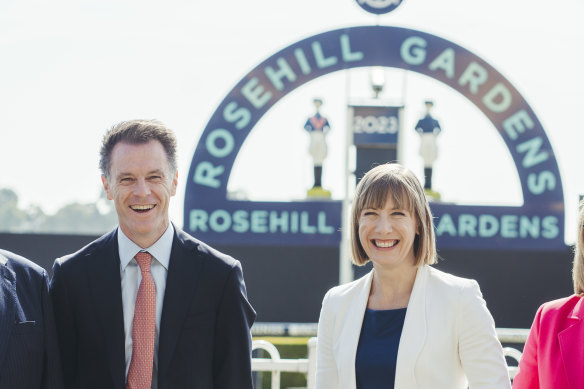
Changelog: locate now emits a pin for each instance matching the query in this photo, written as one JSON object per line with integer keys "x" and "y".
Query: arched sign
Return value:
{"x": 379, "y": 7}
{"x": 210, "y": 215}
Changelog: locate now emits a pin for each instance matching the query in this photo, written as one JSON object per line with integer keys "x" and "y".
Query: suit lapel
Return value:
{"x": 571, "y": 348}
{"x": 8, "y": 303}
{"x": 105, "y": 285}
{"x": 182, "y": 279}
{"x": 414, "y": 332}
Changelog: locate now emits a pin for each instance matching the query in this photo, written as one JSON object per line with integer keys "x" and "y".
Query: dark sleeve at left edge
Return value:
{"x": 52, "y": 373}
{"x": 232, "y": 354}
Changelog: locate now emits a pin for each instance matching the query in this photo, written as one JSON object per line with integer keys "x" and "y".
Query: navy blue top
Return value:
{"x": 377, "y": 350}
{"x": 428, "y": 124}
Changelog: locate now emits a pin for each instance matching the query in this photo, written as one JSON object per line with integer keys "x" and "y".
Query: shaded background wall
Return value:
{"x": 287, "y": 284}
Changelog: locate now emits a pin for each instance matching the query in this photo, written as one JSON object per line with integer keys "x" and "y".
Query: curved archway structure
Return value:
{"x": 208, "y": 214}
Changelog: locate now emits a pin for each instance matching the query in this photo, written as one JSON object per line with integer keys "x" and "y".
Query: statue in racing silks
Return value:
{"x": 317, "y": 127}
{"x": 428, "y": 128}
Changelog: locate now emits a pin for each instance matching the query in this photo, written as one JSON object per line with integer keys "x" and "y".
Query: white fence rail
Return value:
{"x": 307, "y": 366}
{"x": 277, "y": 365}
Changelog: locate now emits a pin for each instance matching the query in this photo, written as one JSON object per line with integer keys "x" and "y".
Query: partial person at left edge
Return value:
{"x": 148, "y": 306}
{"x": 29, "y": 358}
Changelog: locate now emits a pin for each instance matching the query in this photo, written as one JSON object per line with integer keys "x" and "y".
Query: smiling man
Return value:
{"x": 147, "y": 305}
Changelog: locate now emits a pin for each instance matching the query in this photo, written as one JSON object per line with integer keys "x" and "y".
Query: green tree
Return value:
{"x": 76, "y": 218}
{"x": 12, "y": 219}
{"x": 79, "y": 219}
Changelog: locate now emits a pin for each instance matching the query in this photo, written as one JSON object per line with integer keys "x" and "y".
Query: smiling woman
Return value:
{"x": 397, "y": 191}
{"x": 405, "y": 323}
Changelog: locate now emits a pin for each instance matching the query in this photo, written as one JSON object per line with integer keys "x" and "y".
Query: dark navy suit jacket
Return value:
{"x": 29, "y": 358}
{"x": 205, "y": 340}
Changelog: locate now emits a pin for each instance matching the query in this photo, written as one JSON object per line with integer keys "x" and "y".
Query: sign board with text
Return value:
{"x": 375, "y": 125}
{"x": 208, "y": 214}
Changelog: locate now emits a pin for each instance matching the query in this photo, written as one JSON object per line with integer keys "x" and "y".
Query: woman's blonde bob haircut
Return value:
{"x": 407, "y": 193}
{"x": 578, "y": 268}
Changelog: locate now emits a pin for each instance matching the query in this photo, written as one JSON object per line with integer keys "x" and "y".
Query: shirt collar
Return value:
{"x": 159, "y": 250}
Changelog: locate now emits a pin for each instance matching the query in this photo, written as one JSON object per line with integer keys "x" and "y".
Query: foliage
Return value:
{"x": 74, "y": 218}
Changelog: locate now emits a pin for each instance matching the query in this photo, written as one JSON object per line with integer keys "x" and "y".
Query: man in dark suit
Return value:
{"x": 147, "y": 305}
{"x": 29, "y": 358}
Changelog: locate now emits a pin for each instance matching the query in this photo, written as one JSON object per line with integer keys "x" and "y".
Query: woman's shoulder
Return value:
{"x": 348, "y": 289}
{"x": 447, "y": 280}
{"x": 552, "y": 316}
{"x": 564, "y": 304}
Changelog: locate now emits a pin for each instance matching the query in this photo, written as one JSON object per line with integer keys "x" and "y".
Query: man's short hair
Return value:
{"x": 137, "y": 132}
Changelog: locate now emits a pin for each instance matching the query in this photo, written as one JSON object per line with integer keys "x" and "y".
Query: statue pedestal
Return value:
{"x": 318, "y": 192}
{"x": 432, "y": 195}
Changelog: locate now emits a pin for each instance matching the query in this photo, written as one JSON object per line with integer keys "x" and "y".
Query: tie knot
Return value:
{"x": 144, "y": 259}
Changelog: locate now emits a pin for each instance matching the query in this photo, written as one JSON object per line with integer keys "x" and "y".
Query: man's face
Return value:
{"x": 141, "y": 184}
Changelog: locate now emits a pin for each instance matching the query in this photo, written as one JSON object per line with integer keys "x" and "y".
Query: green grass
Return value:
{"x": 285, "y": 340}
{"x": 289, "y": 347}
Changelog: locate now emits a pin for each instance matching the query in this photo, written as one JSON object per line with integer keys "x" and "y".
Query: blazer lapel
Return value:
{"x": 571, "y": 348}
{"x": 181, "y": 281}
{"x": 8, "y": 303}
{"x": 351, "y": 331}
{"x": 105, "y": 284}
{"x": 413, "y": 335}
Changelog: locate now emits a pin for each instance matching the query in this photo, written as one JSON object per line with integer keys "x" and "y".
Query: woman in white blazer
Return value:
{"x": 405, "y": 324}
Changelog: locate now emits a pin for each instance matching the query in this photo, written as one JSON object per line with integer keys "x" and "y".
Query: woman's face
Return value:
{"x": 387, "y": 235}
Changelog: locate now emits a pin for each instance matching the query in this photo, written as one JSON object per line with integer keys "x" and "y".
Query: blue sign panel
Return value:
{"x": 291, "y": 223}
{"x": 375, "y": 125}
{"x": 379, "y": 7}
{"x": 539, "y": 223}
{"x": 498, "y": 227}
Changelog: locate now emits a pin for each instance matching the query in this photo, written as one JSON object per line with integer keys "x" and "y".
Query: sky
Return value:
{"x": 71, "y": 69}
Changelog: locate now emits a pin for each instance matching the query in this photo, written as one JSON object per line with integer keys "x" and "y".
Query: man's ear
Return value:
{"x": 174, "y": 184}
{"x": 106, "y": 187}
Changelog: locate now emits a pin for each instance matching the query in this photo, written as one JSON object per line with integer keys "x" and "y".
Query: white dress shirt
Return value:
{"x": 131, "y": 276}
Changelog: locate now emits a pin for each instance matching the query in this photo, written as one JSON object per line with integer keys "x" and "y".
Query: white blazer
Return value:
{"x": 448, "y": 340}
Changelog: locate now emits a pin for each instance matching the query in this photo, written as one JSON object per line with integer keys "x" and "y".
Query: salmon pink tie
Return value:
{"x": 141, "y": 365}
